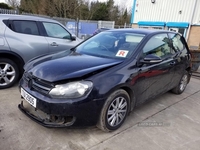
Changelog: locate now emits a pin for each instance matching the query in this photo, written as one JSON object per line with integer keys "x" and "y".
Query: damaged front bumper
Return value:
{"x": 45, "y": 119}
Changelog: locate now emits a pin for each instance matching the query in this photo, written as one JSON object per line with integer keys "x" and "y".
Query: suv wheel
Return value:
{"x": 9, "y": 73}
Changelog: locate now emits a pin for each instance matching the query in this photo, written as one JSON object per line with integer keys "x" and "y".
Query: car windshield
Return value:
{"x": 111, "y": 44}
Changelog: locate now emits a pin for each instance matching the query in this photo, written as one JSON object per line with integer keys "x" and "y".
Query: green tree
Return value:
{"x": 100, "y": 11}
{"x": 81, "y": 9}
{"x": 4, "y": 6}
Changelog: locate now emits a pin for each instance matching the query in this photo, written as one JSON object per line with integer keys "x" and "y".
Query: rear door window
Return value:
{"x": 25, "y": 27}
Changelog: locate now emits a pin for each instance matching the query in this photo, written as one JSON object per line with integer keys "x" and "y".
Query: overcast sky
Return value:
{"x": 122, "y": 3}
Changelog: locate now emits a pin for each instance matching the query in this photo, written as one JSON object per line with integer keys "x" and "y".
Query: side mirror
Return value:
{"x": 151, "y": 59}
{"x": 73, "y": 37}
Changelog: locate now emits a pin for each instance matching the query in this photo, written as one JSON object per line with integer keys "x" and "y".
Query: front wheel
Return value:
{"x": 182, "y": 84}
{"x": 9, "y": 73}
{"x": 114, "y": 111}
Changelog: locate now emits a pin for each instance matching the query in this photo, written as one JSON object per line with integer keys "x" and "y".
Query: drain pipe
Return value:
{"x": 191, "y": 20}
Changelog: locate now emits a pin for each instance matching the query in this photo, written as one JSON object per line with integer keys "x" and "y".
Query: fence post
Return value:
{"x": 77, "y": 27}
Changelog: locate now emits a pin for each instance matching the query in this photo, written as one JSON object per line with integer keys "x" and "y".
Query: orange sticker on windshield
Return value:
{"x": 122, "y": 53}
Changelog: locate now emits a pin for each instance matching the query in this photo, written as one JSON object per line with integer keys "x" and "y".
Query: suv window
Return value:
{"x": 56, "y": 31}
{"x": 177, "y": 42}
{"x": 158, "y": 45}
{"x": 26, "y": 27}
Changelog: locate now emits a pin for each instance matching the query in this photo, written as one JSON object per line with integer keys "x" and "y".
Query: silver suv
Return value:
{"x": 24, "y": 37}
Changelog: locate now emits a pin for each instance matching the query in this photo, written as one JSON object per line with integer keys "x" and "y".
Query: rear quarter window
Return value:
{"x": 25, "y": 27}
{"x": 178, "y": 44}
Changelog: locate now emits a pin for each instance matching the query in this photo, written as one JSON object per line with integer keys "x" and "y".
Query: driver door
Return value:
{"x": 157, "y": 76}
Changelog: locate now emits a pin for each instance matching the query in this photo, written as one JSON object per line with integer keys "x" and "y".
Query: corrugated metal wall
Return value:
{"x": 196, "y": 19}
{"x": 166, "y": 10}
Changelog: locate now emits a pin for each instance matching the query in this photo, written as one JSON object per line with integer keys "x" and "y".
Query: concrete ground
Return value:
{"x": 170, "y": 122}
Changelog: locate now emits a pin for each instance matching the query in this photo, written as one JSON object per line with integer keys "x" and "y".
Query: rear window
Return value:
{"x": 133, "y": 38}
{"x": 25, "y": 27}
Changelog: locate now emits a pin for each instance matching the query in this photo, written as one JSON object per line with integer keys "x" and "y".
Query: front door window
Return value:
{"x": 56, "y": 31}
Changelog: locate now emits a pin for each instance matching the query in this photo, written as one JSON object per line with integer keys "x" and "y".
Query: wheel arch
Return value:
{"x": 130, "y": 93}
{"x": 14, "y": 57}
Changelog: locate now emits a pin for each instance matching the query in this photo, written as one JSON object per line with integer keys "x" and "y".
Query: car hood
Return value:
{"x": 57, "y": 67}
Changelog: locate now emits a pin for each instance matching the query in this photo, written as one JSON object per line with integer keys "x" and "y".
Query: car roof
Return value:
{"x": 24, "y": 17}
{"x": 140, "y": 31}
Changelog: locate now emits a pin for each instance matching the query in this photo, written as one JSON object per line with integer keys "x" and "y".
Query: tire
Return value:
{"x": 182, "y": 84}
{"x": 9, "y": 73}
{"x": 121, "y": 100}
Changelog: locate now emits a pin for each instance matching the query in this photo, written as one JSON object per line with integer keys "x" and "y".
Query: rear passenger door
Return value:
{"x": 58, "y": 37}
{"x": 23, "y": 37}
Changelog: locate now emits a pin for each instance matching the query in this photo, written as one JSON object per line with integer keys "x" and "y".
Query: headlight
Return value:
{"x": 71, "y": 90}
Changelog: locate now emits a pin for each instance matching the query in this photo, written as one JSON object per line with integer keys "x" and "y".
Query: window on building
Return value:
{"x": 179, "y": 30}
{"x": 144, "y": 27}
{"x": 158, "y": 28}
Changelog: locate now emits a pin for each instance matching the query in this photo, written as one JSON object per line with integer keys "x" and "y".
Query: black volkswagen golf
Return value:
{"x": 102, "y": 79}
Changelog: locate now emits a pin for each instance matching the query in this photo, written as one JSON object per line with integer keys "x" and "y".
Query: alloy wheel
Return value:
{"x": 183, "y": 82}
{"x": 117, "y": 111}
{"x": 7, "y": 73}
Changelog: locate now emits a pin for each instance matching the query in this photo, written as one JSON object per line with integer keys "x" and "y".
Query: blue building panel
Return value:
{"x": 84, "y": 28}
{"x": 133, "y": 11}
{"x": 177, "y": 24}
{"x": 88, "y": 28}
{"x": 151, "y": 23}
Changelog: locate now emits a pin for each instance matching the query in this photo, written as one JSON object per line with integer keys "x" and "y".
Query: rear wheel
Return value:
{"x": 114, "y": 111}
{"x": 182, "y": 84}
{"x": 9, "y": 73}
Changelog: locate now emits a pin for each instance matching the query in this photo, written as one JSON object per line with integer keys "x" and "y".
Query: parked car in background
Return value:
{"x": 25, "y": 37}
{"x": 101, "y": 80}
{"x": 100, "y": 30}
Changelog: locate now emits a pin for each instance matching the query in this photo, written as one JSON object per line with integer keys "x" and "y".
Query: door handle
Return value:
{"x": 54, "y": 44}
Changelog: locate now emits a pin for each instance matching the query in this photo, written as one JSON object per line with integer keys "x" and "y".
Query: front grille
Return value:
{"x": 40, "y": 86}
{"x": 36, "y": 84}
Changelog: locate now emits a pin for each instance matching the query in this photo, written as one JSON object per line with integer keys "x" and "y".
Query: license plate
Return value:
{"x": 30, "y": 99}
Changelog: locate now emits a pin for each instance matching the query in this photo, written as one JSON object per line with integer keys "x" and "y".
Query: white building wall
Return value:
{"x": 166, "y": 10}
{"x": 196, "y": 19}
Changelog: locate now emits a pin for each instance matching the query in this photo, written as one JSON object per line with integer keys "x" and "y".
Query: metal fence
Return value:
{"x": 74, "y": 25}
{"x": 8, "y": 11}
{"x": 81, "y": 28}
